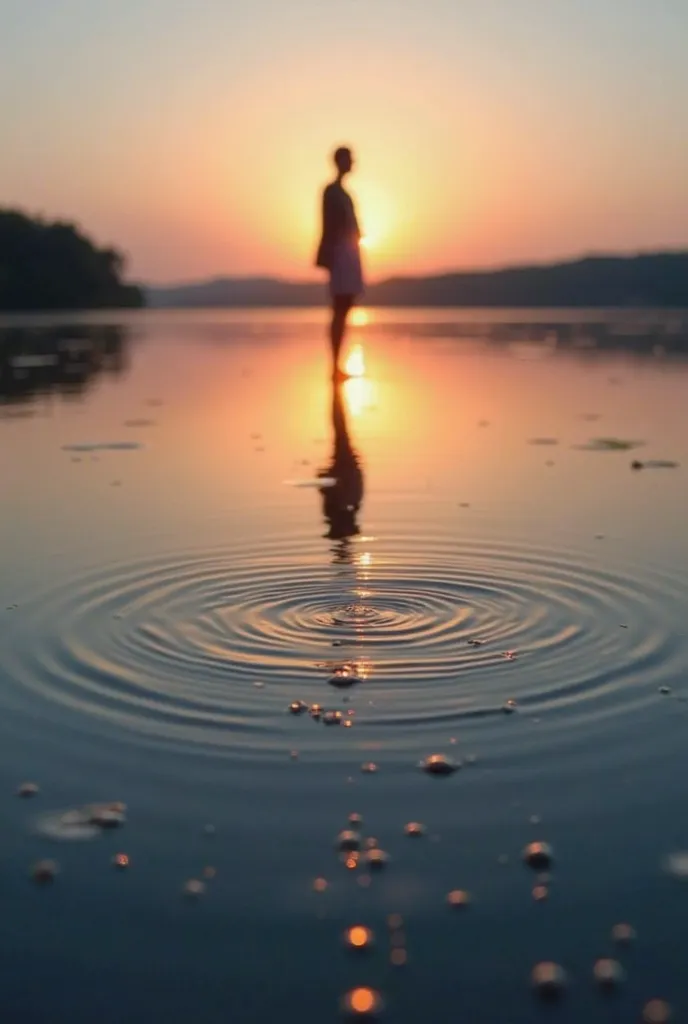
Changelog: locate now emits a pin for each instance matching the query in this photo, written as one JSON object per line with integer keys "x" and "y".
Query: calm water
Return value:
{"x": 167, "y": 591}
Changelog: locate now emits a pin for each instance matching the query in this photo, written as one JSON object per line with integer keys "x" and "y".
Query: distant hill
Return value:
{"x": 657, "y": 279}
{"x": 51, "y": 265}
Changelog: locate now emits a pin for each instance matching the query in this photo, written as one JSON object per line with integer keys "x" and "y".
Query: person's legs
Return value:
{"x": 341, "y": 304}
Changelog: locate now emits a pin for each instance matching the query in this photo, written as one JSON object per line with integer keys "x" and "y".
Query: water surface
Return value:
{"x": 167, "y": 591}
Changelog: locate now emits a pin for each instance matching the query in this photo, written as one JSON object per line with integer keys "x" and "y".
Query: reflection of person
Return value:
{"x": 342, "y": 499}
{"x": 338, "y": 252}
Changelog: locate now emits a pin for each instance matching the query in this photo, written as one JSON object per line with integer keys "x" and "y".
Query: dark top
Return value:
{"x": 339, "y": 223}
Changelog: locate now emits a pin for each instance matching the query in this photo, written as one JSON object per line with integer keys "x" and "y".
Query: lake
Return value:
{"x": 452, "y": 554}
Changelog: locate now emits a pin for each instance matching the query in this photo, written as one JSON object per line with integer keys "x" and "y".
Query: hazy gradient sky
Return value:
{"x": 195, "y": 134}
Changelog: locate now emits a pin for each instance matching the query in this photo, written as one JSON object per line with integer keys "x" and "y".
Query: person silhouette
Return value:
{"x": 341, "y": 500}
{"x": 339, "y": 253}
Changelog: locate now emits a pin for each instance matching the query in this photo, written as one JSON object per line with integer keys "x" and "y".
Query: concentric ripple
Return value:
{"x": 205, "y": 650}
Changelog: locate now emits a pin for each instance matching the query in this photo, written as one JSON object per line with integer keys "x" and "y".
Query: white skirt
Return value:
{"x": 346, "y": 272}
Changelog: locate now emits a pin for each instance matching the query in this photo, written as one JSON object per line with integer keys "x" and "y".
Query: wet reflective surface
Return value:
{"x": 197, "y": 534}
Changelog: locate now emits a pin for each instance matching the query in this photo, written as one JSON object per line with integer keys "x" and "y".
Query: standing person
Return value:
{"x": 339, "y": 254}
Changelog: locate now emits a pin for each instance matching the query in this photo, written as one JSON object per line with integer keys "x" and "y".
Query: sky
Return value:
{"x": 195, "y": 135}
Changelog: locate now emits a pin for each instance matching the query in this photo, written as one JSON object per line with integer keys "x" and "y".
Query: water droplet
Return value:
{"x": 549, "y": 979}
{"x": 538, "y": 855}
{"x": 362, "y": 1002}
{"x": 657, "y": 1011}
{"x": 608, "y": 973}
{"x": 624, "y": 934}
{"x": 332, "y": 718}
{"x": 376, "y": 859}
{"x": 121, "y": 861}
{"x": 509, "y": 707}
{"x": 439, "y": 764}
{"x": 348, "y": 840}
{"x": 28, "y": 789}
{"x": 414, "y": 828}
{"x": 343, "y": 678}
{"x": 459, "y": 899}
{"x": 369, "y": 768}
{"x": 358, "y": 937}
{"x": 45, "y": 871}
{"x": 297, "y": 707}
{"x": 540, "y": 893}
{"x": 194, "y": 888}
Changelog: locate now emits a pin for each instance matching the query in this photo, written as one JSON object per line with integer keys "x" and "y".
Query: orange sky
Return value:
{"x": 486, "y": 133}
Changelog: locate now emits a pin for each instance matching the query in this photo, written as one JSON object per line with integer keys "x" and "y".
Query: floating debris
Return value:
{"x": 608, "y": 973}
{"x": 194, "y": 888}
{"x": 475, "y": 642}
{"x": 654, "y": 464}
{"x": 355, "y": 820}
{"x": 362, "y": 1002}
{"x": 624, "y": 934}
{"x": 332, "y": 718}
{"x": 549, "y": 979}
{"x": 358, "y": 937}
{"x": 115, "y": 446}
{"x": 510, "y": 655}
{"x": 609, "y": 444}
{"x": 28, "y": 789}
{"x": 538, "y": 855}
{"x": 414, "y": 828}
{"x": 121, "y": 861}
{"x": 82, "y": 822}
{"x": 259, "y": 686}
{"x": 45, "y": 871}
{"x": 509, "y": 707}
{"x": 348, "y": 840}
{"x": 297, "y": 707}
{"x": 343, "y": 678}
{"x": 294, "y": 755}
{"x": 376, "y": 859}
{"x": 657, "y": 1011}
{"x": 369, "y": 768}
{"x": 439, "y": 764}
{"x": 665, "y": 690}
{"x": 459, "y": 899}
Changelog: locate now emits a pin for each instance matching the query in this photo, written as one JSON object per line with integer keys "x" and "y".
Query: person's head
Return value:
{"x": 343, "y": 160}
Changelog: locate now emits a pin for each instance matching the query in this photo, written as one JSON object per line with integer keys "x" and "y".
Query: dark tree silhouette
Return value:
{"x": 52, "y": 265}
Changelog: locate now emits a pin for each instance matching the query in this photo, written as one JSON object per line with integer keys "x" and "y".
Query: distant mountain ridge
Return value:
{"x": 654, "y": 279}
